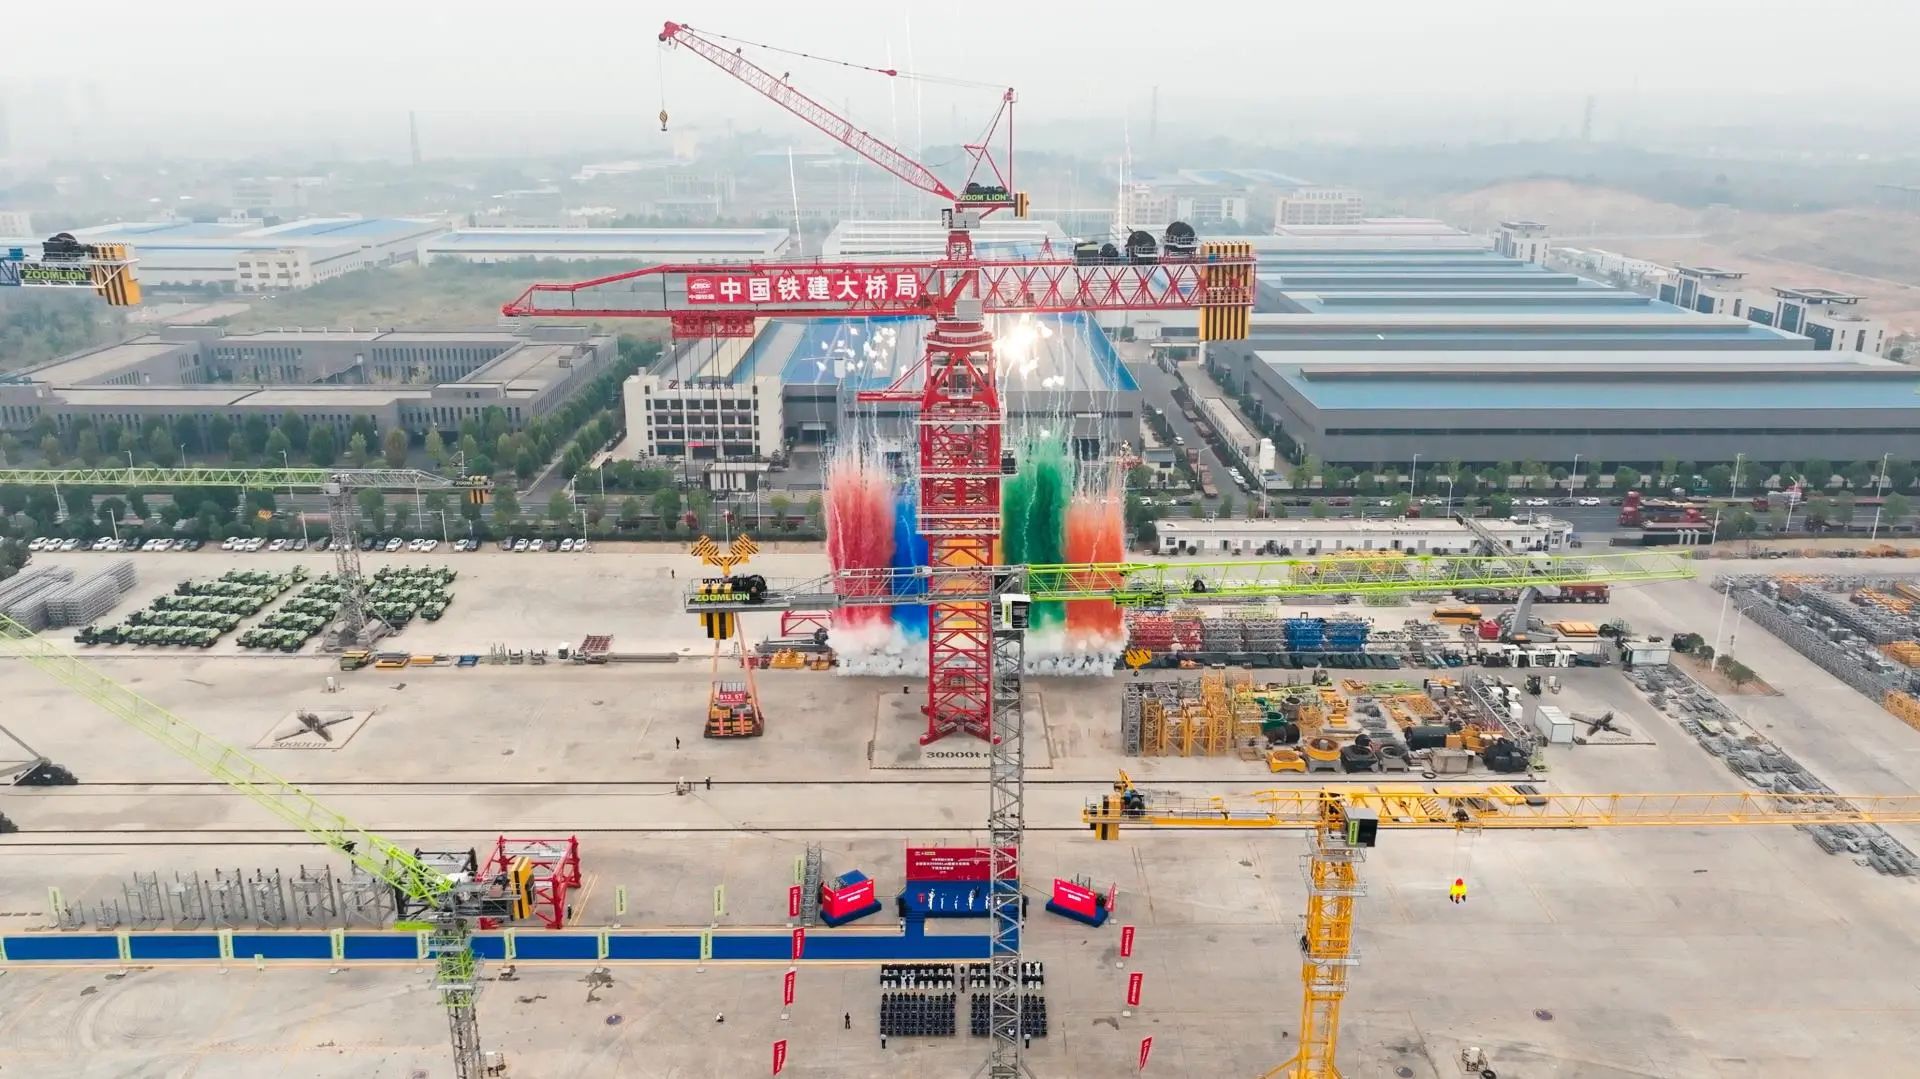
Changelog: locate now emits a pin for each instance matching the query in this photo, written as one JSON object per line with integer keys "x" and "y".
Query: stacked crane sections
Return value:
{"x": 80, "y": 602}
{"x": 1184, "y": 718}
{"x": 1754, "y": 757}
{"x": 24, "y": 597}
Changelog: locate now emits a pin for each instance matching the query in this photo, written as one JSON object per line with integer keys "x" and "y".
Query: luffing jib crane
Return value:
{"x": 449, "y": 904}
{"x": 1343, "y": 822}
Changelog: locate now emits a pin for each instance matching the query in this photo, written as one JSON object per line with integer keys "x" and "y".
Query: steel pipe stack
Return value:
{"x": 24, "y": 597}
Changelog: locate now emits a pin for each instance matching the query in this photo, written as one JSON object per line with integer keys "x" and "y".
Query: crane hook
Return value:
{"x": 663, "y": 119}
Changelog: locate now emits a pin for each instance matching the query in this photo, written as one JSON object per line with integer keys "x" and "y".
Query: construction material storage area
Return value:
{"x": 612, "y": 829}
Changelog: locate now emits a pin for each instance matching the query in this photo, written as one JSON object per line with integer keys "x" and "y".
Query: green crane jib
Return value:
{"x": 1154, "y": 584}
{"x": 450, "y": 904}
{"x": 261, "y": 479}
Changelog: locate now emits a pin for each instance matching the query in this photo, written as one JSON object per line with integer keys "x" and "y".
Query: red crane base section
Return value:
{"x": 553, "y": 869}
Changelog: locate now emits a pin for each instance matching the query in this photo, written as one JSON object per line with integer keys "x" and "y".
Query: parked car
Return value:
{"x": 393, "y": 544}
{"x": 519, "y": 545}
{"x": 553, "y": 545}
{"x": 324, "y": 543}
{"x": 1534, "y": 502}
{"x": 277, "y": 545}
{"x": 567, "y": 544}
{"x": 367, "y": 543}
{"x": 1589, "y": 500}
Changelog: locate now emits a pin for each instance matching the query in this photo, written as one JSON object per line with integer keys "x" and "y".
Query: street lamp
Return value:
{"x": 1413, "y": 479}
{"x": 295, "y": 499}
{"x": 1879, "y": 486}
{"x": 1573, "y": 483}
{"x": 443, "y": 527}
{"x": 1448, "y": 510}
{"x": 1733, "y": 492}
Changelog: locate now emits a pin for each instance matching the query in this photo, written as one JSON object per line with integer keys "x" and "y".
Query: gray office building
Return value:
{"x": 412, "y": 381}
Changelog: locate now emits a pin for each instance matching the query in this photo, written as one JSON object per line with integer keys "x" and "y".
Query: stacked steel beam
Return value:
{"x": 24, "y": 597}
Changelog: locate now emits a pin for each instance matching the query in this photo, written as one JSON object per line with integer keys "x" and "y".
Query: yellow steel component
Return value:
{"x": 1333, "y": 881}
{"x": 1226, "y": 306}
{"x": 1904, "y": 705}
{"x": 1495, "y": 806}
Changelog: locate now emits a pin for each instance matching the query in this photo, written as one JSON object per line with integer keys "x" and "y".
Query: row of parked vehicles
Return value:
{"x": 534, "y": 543}
{"x": 107, "y": 543}
{"x": 391, "y": 544}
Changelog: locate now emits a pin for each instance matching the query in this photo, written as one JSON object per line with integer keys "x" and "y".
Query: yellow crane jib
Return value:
{"x": 1344, "y": 822}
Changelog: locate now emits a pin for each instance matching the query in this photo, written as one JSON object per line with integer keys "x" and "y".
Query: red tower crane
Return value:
{"x": 954, "y": 383}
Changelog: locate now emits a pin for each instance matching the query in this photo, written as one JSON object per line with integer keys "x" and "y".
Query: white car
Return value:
{"x": 70, "y": 545}
{"x": 1534, "y": 502}
{"x": 519, "y": 545}
{"x": 393, "y": 544}
{"x": 567, "y": 544}
{"x": 1588, "y": 501}
{"x": 277, "y": 545}
{"x": 256, "y": 543}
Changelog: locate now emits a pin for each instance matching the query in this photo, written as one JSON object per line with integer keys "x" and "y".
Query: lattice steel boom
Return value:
{"x": 451, "y": 905}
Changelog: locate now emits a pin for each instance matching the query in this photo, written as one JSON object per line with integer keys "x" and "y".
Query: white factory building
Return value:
{"x": 247, "y": 255}
{"x": 923, "y": 238}
{"x": 1293, "y": 538}
{"x": 640, "y": 247}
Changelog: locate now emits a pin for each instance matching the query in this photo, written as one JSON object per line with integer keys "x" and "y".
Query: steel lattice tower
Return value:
{"x": 1006, "y": 813}
{"x": 354, "y": 626}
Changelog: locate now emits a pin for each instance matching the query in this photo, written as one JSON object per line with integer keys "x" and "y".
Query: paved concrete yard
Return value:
{"x": 1670, "y": 953}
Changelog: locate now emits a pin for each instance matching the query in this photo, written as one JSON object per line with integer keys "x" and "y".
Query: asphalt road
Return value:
{"x": 1156, "y": 389}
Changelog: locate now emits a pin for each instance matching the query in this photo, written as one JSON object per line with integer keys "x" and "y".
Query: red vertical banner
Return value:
{"x": 799, "y": 943}
{"x": 780, "y": 1055}
{"x": 793, "y": 901}
{"x": 1113, "y": 897}
{"x": 1146, "y": 1047}
{"x": 1133, "y": 988}
{"x": 786, "y": 992}
{"x": 1126, "y": 942}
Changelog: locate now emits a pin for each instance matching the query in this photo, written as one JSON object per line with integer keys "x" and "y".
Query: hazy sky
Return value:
{"x": 217, "y": 76}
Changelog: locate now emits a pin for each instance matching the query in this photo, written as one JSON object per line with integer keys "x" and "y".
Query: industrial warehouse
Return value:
{"x": 1364, "y": 354}
{"x": 798, "y": 383}
{"x": 959, "y": 761}
{"x": 411, "y": 381}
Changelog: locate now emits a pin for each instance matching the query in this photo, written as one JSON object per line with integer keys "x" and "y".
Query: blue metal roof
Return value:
{"x": 1556, "y": 301}
{"x": 1750, "y": 391}
{"x": 719, "y": 240}
{"x": 810, "y": 352}
{"x": 354, "y": 229}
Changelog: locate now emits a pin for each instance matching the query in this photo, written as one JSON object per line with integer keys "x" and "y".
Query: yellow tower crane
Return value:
{"x": 1343, "y": 822}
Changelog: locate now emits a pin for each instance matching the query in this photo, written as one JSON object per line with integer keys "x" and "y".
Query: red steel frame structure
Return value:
{"x": 556, "y": 871}
{"x": 954, "y": 384}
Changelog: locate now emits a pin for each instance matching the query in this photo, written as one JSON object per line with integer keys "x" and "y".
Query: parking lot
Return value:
{"x": 243, "y": 544}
